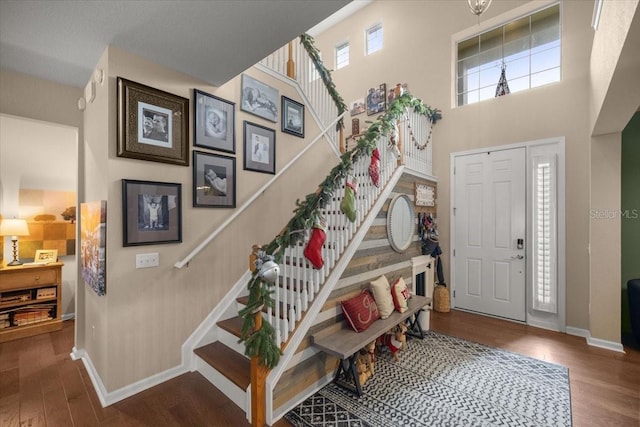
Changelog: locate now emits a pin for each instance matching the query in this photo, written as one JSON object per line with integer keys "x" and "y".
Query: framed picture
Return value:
{"x": 259, "y": 148}
{"x": 357, "y": 107}
{"x": 152, "y": 124}
{"x": 151, "y": 212}
{"x": 93, "y": 254}
{"x": 214, "y": 123}
{"x": 292, "y": 117}
{"x": 259, "y": 99}
{"x": 45, "y": 256}
{"x": 214, "y": 180}
{"x": 377, "y": 99}
{"x": 425, "y": 195}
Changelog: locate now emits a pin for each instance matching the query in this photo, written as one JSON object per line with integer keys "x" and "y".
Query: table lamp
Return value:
{"x": 14, "y": 228}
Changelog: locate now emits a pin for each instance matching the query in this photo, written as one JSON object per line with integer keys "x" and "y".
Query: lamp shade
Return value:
{"x": 14, "y": 227}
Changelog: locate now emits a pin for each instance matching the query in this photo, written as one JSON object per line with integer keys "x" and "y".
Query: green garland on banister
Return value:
{"x": 307, "y": 42}
{"x": 262, "y": 343}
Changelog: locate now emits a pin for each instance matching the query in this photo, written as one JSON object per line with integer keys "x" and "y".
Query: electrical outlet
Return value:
{"x": 147, "y": 260}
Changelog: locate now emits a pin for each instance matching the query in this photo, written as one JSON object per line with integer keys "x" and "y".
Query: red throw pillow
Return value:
{"x": 400, "y": 294}
{"x": 360, "y": 311}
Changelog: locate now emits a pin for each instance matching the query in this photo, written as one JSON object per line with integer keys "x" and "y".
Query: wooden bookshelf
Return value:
{"x": 30, "y": 300}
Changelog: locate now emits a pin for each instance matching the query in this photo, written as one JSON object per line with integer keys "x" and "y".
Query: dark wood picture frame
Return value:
{"x": 214, "y": 122}
{"x": 151, "y": 212}
{"x": 152, "y": 124}
{"x": 259, "y": 148}
{"x": 292, "y": 117}
{"x": 214, "y": 180}
{"x": 259, "y": 99}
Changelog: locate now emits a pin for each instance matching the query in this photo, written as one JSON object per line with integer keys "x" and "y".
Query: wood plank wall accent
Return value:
{"x": 374, "y": 258}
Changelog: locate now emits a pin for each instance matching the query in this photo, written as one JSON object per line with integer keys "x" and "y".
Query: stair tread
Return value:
{"x": 228, "y": 362}
{"x": 232, "y": 325}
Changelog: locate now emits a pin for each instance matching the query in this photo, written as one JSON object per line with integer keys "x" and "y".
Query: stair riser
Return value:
{"x": 240, "y": 397}
{"x": 230, "y": 340}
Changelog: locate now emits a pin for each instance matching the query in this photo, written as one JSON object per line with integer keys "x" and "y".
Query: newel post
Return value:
{"x": 258, "y": 379}
{"x": 291, "y": 65}
{"x": 341, "y": 137}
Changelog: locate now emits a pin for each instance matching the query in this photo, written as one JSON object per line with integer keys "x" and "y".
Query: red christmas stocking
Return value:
{"x": 348, "y": 204}
{"x": 374, "y": 168}
{"x": 313, "y": 251}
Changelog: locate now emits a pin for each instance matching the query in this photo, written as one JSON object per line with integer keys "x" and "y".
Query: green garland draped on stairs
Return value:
{"x": 307, "y": 42}
{"x": 262, "y": 343}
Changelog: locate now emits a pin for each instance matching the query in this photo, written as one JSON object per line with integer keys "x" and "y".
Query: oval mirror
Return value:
{"x": 400, "y": 223}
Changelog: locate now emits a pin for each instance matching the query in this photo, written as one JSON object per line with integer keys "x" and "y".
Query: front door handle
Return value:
{"x": 517, "y": 257}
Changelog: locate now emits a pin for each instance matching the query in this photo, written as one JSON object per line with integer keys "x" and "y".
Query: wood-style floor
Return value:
{"x": 41, "y": 386}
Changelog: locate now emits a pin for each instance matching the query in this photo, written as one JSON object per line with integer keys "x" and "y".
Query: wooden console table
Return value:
{"x": 30, "y": 300}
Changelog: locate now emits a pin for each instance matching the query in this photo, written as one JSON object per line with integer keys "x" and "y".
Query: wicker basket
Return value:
{"x": 441, "y": 302}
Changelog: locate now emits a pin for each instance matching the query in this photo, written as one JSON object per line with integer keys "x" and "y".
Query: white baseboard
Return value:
{"x": 577, "y": 332}
{"x": 595, "y": 342}
{"x": 109, "y": 398}
{"x": 607, "y": 345}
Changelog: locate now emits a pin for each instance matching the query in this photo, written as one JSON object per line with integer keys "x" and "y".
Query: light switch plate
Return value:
{"x": 147, "y": 260}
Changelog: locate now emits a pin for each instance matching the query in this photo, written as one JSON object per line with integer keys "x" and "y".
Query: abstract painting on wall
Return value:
{"x": 51, "y": 217}
{"x": 93, "y": 250}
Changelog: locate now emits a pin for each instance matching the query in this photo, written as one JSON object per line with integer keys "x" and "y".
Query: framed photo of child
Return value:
{"x": 152, "y": 212}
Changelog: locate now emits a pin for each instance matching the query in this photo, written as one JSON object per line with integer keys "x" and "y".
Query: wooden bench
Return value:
{"x": 345, "y": 343}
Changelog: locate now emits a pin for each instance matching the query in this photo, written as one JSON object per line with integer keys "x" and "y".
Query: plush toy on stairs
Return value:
{"x": 348, "y": 204}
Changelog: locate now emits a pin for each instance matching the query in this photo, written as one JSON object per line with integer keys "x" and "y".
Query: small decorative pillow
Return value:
{"x": 382, "y": 293}
{"x": 400, "y": 294}
{"x": 360, "y": 311}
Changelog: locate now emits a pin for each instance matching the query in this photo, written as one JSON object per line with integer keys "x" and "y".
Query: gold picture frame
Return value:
{"x": 152, "y": 124}
{"x": 45, "y": 256}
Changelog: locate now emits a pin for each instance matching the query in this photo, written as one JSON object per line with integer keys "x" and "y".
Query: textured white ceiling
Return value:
{"x": 214, "y": 40}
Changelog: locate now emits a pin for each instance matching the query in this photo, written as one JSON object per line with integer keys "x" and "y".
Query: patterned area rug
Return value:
{"x": 447, "y": 381}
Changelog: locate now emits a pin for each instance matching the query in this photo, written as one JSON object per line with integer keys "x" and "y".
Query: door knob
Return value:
{"x": 517, "y": 257}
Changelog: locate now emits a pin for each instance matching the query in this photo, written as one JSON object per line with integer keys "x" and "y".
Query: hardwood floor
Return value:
{"x": 41, "y": 386}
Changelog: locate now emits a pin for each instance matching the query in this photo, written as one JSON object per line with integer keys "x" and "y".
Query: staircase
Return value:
{"x": 301, "y": 290}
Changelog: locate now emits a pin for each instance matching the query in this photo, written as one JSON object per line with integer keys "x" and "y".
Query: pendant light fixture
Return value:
{"x": 478, "y": 6}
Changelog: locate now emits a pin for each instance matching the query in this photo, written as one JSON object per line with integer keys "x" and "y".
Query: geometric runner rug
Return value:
{"x": 446, "y": 381}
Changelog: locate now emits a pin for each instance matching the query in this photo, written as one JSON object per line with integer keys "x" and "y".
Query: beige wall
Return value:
{"x": 418, "y": 51}
{"x": 137, "y": 329}
{"x": 605, "y": 237}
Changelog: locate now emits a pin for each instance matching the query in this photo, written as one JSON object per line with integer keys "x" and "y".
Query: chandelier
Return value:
{"x": 478, "y": 6}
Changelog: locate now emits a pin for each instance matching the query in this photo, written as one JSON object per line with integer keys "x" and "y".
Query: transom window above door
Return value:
{"x": 529, "y": 49}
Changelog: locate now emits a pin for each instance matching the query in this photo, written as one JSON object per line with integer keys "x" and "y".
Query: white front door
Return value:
{"x": 489, "y": 220}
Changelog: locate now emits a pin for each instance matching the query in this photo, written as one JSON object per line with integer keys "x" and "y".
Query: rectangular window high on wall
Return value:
{"x": 342, "y": 55}
{"x": 529, "y": 49}
{"x": 374, "y": 39}
{"x": 545, "y": 225}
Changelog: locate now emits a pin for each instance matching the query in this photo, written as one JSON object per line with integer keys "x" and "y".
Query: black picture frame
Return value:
{"x": 377, "y": 99}
{"x": 152, "y": 124}
{"x": 214, "y": 123}
{"x": 259, "y": 99}
{"x": 214, "y": 180}
{"x": 144, "y": 223}
{"x": 259, "y": 148}
{"x": 292, "y": 117}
